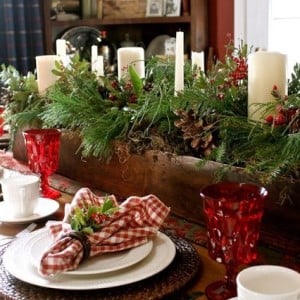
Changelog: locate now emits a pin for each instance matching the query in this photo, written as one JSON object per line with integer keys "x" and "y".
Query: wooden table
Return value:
{"x": 210, "y": 270}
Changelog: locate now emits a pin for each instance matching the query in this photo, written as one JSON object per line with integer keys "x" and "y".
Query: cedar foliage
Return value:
{"x": 144, "y": 114}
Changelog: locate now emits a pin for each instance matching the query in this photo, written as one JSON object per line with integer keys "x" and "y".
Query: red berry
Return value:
{"x": 269, "y": 119}
{"x": 114, "y": 84}
{"x": 133, "y": 98}
{"x": 280, "y": 119}
{"x": 93, "y": 215}
{"x": 112, "y": 97}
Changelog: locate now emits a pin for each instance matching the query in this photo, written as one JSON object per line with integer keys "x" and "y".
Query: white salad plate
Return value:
{"x": 18, "y": 264}
{"x": 40, "y": 241}
{"x": 45, "y": 208}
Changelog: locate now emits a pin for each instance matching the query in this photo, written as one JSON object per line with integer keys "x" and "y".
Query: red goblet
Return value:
{"x": 233, "y": 214}
{"x": 43, "y": 154}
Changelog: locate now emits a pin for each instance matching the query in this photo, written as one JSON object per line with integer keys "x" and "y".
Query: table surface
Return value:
{"x": 210, "y": 269}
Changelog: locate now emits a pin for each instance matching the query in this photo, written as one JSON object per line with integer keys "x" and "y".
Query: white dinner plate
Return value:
{"x": 45, "y": 208}
{"x": 161, "y": 255}
{"x": 41, "y": 240}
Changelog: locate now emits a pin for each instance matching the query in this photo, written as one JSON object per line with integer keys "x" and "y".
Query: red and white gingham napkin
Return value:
{"x": 137, "y": 219}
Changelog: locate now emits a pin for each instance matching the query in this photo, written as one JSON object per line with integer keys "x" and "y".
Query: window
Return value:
{"x": 270, "y": 25}
{"x": 283, "y": 31}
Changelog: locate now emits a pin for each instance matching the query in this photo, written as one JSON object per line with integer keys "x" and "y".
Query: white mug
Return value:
{"x": 268, "y": 282}
{"x": 21, "y": 194}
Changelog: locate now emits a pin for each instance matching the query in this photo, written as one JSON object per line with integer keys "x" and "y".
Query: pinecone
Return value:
{"x": 196, "y": 131}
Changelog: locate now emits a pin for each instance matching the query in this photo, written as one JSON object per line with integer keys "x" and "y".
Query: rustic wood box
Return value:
{"x": 177, "y": 182}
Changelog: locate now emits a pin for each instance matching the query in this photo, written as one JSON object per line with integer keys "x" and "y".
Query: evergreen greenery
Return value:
{"x": 207, "y": 120}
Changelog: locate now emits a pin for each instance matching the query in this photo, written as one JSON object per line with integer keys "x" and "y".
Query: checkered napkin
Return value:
{"x": 137, "y": 219}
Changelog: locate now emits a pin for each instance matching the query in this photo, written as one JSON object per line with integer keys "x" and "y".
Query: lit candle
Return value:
{"x": 197, "y": 59}
{"x": 134, "y": 56}
{"x": 179, "y": 62}
{"x": 265, "y": 70}
{"x": 94, "y": 57}
{"x": 44, "y": 66}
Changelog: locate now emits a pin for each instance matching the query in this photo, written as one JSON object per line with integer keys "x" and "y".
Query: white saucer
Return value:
{"x": 45, "y": 207}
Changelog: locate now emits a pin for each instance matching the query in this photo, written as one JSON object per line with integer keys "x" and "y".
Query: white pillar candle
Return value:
{"x": 179, "y": 62}
{"x": 94, "y": 57}
{"x": 134, "y": 56}
{"x": 61, "y": 48}
{"x": 265, "y": 70}
{"x": 61, "y": 52}
{"x": 197, "y": 61}
{"x": 99, "y": 69}
{"x": 44, "y": 66}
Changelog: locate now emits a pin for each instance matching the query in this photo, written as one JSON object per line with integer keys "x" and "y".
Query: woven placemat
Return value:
{"x": 166, "y": 283}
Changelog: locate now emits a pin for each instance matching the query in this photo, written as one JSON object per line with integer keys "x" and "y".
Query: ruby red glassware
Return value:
{"x": 233, "y": 213}
{"x": 43, "y": 155}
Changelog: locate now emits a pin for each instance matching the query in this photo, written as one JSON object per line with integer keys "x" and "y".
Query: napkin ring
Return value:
{"x": 82, "y": 238}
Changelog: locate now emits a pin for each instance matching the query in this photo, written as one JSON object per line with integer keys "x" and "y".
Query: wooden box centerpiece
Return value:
{"x": 177, "y": 181}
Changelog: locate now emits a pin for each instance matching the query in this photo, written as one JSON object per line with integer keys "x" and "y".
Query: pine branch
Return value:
{"x": 294, "y": 82}
{"x": 98, "y": 137}
{"x": 142, "y": 113}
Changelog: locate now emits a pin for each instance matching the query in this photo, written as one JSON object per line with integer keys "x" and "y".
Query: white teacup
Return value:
{"x": 21, "y": 194}
{"x": 268, "y": 282}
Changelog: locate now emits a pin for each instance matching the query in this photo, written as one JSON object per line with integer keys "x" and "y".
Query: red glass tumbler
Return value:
{"x": 43, "y": 155}
{"x": 233, "y": 213}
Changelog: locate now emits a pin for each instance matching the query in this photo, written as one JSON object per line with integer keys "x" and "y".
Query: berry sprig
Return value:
{"x": 241, "y": 70}
{"x": 122, "y": 93}
{"x": 92, "y": 218}
{"x": 284, "y": 114}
